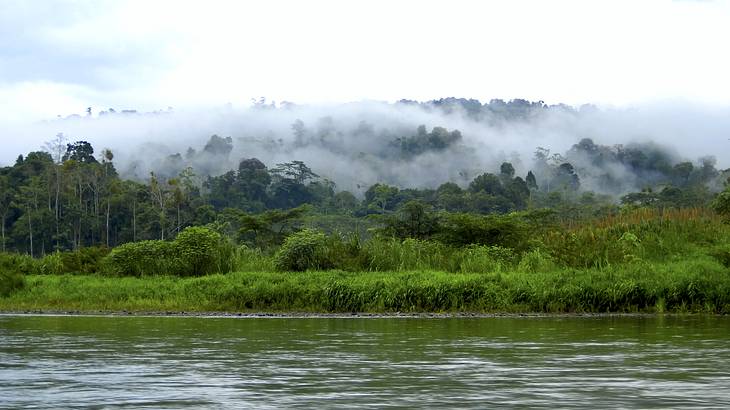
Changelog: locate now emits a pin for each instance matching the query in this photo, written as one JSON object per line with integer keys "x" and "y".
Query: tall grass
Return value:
{"x": 699, "y": 285}
{"x": 642, "y": 234}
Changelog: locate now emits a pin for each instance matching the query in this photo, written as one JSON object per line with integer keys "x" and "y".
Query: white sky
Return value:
{"x": 58, "y": 57}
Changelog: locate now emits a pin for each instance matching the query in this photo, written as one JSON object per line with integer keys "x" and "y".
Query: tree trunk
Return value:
{"x": 134, "y": 220}
{"x": 107, "y": 224}
{"x": 30, "y": 231}
{"x": 2, "y": 228}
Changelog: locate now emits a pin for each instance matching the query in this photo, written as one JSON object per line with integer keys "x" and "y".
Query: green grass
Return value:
{"x": 698, "y": 285}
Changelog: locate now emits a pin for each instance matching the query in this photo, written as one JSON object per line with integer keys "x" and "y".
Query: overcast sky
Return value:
{"x": 58, "y": 57}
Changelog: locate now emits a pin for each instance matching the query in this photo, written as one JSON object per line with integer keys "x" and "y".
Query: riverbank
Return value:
{"x": 351, "y": 315}
{"x": 699, "y": 285}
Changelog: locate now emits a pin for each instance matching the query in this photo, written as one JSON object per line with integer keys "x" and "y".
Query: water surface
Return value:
{"x": 176, "y": 362}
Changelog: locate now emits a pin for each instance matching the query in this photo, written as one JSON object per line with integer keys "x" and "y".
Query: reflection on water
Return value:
{"x": 173, "y": 362}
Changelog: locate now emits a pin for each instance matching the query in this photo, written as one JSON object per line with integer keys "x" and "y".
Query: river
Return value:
{"x": 523, "y": 362}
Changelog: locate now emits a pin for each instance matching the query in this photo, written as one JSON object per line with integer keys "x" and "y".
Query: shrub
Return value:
{"x": 508, "y": 231}
{"x": 721, "y": 203}
{"x": 10, "y": 281}
{"x": 142, "y": 258}
{"x": 13, "y": 268}
{"x": 51, "y": 264}
{"x": 84, "y": 260}
{"x": 17, "y": 263}
{"x": 303, "y": 250}
{"x": 196, "y": 251}
{"x": 201, "y": 250}
{"x": 345, "y": 252}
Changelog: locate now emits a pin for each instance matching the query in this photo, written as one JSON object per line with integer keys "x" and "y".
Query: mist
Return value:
{"x": 359, "y": 144}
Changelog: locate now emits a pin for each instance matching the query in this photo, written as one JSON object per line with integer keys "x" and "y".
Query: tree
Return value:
{"x": 531, "y": 181}
{"x": 413, "y": 220}
{"x": 721, "y": 203}
{"x": 288, "y": 189}
{"x": 80, "y": 151}
{"x": 450, "y": 197}
{"x": 253, "y": 178}
{"x": 488, "y": 183}
{"x": 161, "y": 197}
{"x": 57, "y": 148}
{"x": 295, "y": 171}
{"x": 566, "y": 177}
{"x": 219, "y": 146}
{"x": 271, "y": 227}
{"x": 506, "y": 170}
{"x": 381, "y": 197}
{"x": 682, "y": 171}
{"x": 6, "y": 198}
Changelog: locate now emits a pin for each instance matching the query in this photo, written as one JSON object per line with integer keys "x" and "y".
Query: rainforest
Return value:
{"x": 423, "y": 219}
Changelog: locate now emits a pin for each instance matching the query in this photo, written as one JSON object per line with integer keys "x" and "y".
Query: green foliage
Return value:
{"x": 345, "y": 252}
{"x": 384, "y": 254}
{"x": 413, "y": 220}
{"x": 536, "y": 261}
{"x": 10, "y": 282}
{"x": 633, "y": 236}
{"x": 153, "y": 257}
{"x": 51, "y": 264}
{"x": 252, "y": 260}
{"x": 698, "y": 284}
{"x": 481, "y": 259}
{"x": 18, "y": 263}
{"x": 507, "y": 231}
{"x": 303, "y": 250}
{"x": 269, "y": 229}
{"x": 437, "y": 140}
{"x": 197, "y": 249}
{"x": 84, "y": 260}
{"x": 721, "y": 203}
{"x": 721, "y": 253}
{"x": 13, "y": 268}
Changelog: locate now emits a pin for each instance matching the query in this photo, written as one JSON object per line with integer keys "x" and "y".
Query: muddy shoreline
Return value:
{"x": 319, "y": 315}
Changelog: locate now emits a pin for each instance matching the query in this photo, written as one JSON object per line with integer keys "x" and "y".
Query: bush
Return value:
{"x": 345, "y": 252}
{"x": 196, "y": 251}
{"x": 507, "y": 231}
{"x": 17, "y": 263}
{"x": 51, "y": 264}
{"x": 142, "y": 258}
{"x": 303, "y": 250}
{"x": 201, "y": 251}
{"x": 84, "y": 260}
{"x": 10, "y": 281}
{"x": 13, "y": 268}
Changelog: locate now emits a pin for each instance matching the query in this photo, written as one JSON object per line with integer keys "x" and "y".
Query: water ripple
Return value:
{"x": 119, "y": 362}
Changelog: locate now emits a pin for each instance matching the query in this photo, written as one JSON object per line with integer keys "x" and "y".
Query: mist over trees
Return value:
{"x": 71, "y": 194}
{"x": 406, "y": 144}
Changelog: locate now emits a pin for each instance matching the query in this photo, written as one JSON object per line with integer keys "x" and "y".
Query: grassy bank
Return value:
{"x": 699, "y": 285}
{"x": 644, "y": 260}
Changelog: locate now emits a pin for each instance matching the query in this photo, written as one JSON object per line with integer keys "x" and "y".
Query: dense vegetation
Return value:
{"x": 503, "y": 243}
